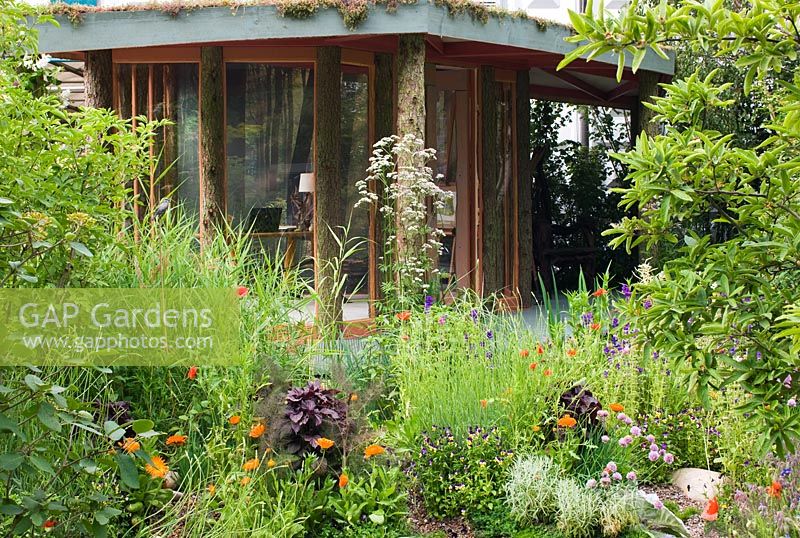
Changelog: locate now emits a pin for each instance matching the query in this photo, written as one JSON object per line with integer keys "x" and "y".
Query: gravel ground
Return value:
{"x": 695, "y": 524}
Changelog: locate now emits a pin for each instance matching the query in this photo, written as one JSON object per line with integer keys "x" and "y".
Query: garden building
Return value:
{"x": 274, "y": 110}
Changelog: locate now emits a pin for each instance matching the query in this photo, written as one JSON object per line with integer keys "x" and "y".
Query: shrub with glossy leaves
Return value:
{"x": 715, "y": 305}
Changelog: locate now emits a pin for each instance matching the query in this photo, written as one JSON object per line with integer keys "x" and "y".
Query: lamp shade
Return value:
{"x": 306, "y": 182}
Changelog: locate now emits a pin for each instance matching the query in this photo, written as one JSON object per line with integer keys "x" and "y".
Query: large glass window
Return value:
{"x": 355, "y": 160}
{"x": 270, "y": 134}
{"x": 165, "y": 91}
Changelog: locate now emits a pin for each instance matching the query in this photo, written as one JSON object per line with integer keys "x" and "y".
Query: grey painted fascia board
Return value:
{"x": 152, "y": 27}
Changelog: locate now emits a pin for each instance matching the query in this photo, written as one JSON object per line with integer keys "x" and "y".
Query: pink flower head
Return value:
{"x": 605, "y": 480}
{"x": 658, "y": 505}
{"x": 651, "y": 438}
{"x": 636, "y": 431}
{"x": 653, "y": 447}
{"x": 591, "y": 483}
{"x": 622, "y": 417}
{"x": 653, "y": 456}
{"x": 611, "y": 467}
{"x": 625, "y": 441}
{"x": 602, "y": 414}
{"x": 669, "y": 459}
{"x": 605, "y": 438}
{"x": 616, "y": 476}
{"x": 792, "y": 402}
{"x": 631, "y": 476}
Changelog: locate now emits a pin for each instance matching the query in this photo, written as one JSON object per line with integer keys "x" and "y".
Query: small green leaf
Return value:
{"x": 81, "y": 249}
{"x": 11, "y": 509}
{"x": 377, "y": 517}
{"x": 113, "y": 430}
{"x": 47, "y": 416}
{"x": 42, "y": 464}
{"x": 127, "y": 471}
{"x": 142, "y": 425}
{"x": 11, "y": 460}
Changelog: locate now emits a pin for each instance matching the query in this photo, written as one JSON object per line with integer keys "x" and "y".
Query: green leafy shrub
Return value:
{"x": 54, "y": 445}
{"x": 461, "y": 475}
{"x": 63, "y": 174}
{"x": 377, "y": 496}
{"x": 716, "y": 304}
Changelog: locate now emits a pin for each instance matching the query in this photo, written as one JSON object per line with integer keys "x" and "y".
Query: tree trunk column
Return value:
{"x": 524, "y": 188}
{"x": 642, "y": 122}
{"x": 641, "y": 116}
{"x": 212, "y": 143}
{"x": 329, "y": 208}
{"x": 493, "y": 262}
{"x": 384, "y": 126}
{"x": 98, "y": 76}
{"x": 410, "y": 121}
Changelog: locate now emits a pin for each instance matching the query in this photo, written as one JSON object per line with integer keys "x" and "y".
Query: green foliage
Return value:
{"x": 63, "y": 175}
{"x": 378, "y": 496}
{"x": 531, "y": 489}
{"x": 461, "y": 475}
{"x": 53, "y": 443}
{"x": 715, "y": 305}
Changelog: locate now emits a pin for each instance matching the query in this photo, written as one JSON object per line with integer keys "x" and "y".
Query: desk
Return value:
{"x": 292, "y": 235}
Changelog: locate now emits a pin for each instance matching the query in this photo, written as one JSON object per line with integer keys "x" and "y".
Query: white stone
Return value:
{"x": 697, "y": 484}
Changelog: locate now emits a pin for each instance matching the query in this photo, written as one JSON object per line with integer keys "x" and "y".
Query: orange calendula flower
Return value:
{"x": 234, "y": 420}
{"x": 599, "y": 292}
{"x": 343, "y": 480}
{"x": 405, "y": 315}
{"x": 571, "y": 352}
{"x": 567, "y": 422}
{"x": 354, "y": 397}
{"x": 536, "y": 428}
{"x": 524, "y": 353}
{"x": 158, "y": 468}
{"x": 775, "y": 489}
{"x": 711, "y": 511}
{"x": 212, "y": 489}
{"x": 251, "y": 465}
{"x": 192, "y": 373}
{"x": 270, "y": 463}
{"x": 257, "y": 431}
{"x": 539, "y": 349}
{"x": 324, "y": 443}
{"x": 617, "y": 407}
{"x": 548, "y": 372}
{"x": 484, "y": 403}
{"x": 244, "y": 481}
{"x": 595, "y": 326}
{"x": 532, "y": 366}
{"x": 176, "y": 440}
{"x": 373, "y": 450}
{"x": 130, "y": 445}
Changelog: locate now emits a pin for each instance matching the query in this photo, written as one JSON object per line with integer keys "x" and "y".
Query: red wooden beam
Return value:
{"x": 578, "y": 83}
{"x": 622, "y": 90}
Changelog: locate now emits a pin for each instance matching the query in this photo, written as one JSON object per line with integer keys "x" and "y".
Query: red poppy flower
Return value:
{"x": 539, "y": 349}
{"x": 524, "y": 353}
{"x": 548, "y": 372}
{"x": 775, "y": 489}
{"x": 192, "y": 373}
{"x": 241, "y": 291}
{"x": 532, "y": 366}
{"x": 49, "y": 524}
{"x": 712, "y": 508}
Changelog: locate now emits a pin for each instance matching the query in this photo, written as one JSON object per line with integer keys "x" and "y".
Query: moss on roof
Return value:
{"x": 353, "y": 12}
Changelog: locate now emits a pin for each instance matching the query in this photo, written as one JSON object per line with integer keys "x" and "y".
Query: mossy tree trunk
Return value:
{"x": 524, "y": 188}
{"x": 384, "y": 126}
{"x": 98, "y": 77}
{"x": 330, "y": 214}
{"x": 212, "y": 143}
{"x": 410, "y": 121}
{"x": 493, "y": 254}
{"x": 642, "y": 122}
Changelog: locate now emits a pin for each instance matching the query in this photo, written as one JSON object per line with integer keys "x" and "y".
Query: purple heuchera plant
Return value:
{"x": 309, "y": 408}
